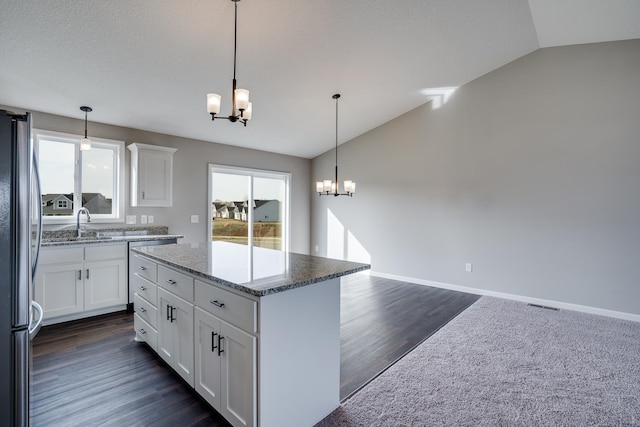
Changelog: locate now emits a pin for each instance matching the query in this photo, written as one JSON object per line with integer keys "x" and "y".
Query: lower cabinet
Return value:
{"x": 225, "y": 366}
{"x": 175, "y": 333}
{"x": 79, "y": 281}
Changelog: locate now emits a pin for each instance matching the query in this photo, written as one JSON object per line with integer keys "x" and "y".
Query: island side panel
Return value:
{"x": 299, "y": 355}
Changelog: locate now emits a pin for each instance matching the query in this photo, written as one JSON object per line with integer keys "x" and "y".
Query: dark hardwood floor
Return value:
{"x": 90, "y": 372}
{"x": 382, "y": 320}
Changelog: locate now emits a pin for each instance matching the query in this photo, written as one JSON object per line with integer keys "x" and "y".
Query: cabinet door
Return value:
{"x": 104, "y": 284}
{"x": 165, "y": 326}
{"x": 154, "y": 177}
{"x": 207, "y": 367}
{"x": 239, "y": 381}
{"x": 183, "y": 338}
{"x": 175, "y": 333}
{"x": 59, "y": 289}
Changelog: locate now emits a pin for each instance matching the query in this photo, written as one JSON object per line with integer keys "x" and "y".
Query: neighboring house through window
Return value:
{"x": 249, "y": 206}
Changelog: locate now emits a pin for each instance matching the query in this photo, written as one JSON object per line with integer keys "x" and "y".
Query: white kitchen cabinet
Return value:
{"x": 78, "y": 281}
{"x": 175, "y": 333}
{"x": 105, "y": 284}
{"x": 59, "y": 289}
{"x": 225, "y": 368}
{"x": 151, "y": 175}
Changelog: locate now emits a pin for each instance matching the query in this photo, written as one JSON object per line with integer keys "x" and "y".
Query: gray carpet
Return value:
{"x": 504, "y": 363}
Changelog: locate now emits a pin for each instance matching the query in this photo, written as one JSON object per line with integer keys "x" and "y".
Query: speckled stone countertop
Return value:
{"x": 106, "y": 235}
{"x": 259, "y": 272}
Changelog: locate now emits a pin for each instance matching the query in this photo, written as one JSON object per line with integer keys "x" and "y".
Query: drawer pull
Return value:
{"x": 171, "y": 282}
{"x": 141, "y": 267}
{"x": 79, "y": 274}
{"x": 142, "y": 309}
{"x": 142, "y": 331}
{"x": 217, "y": 303}
{"x": 142, "y": 288}
{"x": 213, "y": 341}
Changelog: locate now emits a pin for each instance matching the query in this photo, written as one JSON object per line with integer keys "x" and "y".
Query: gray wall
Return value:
{"x": 531, "y": 173}
{"x": 190, "y": 175}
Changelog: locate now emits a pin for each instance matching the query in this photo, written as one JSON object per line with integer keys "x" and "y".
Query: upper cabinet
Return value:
{"x": 151, "y": 175}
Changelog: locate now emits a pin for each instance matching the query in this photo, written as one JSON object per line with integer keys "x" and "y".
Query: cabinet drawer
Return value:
{"x": 61, "y": 255}
{"x": 104, "y": 252}
{"x": 177, "y": 283}
{"x": 144, "y": 267}
{"x": 145, "y": 310}
{"x": 144, "y": 288}
{"x": 145, "y": 332}
{"x": 235, "y": 309}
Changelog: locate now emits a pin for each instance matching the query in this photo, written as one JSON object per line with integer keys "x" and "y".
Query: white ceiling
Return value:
{"x": 148, "y": 64}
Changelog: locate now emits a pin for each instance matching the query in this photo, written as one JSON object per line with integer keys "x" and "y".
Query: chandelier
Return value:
{"x": 332, "y": 188}
{"x": 240, "y": 105}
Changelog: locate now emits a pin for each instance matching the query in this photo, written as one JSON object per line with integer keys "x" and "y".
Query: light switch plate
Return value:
{"x": 131, "y": 219}
{"x": 143, "y": 219}
{"x": 195, "y": 219}
{"x": 150, "y": 219}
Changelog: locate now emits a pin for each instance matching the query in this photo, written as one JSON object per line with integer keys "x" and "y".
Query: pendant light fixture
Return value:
{"x": 332, "y": 188}
{"x": 240, "y": 105}
{"x": 85, "y": 143}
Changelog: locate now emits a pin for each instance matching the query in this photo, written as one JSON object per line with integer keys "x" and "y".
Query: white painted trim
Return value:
{"x": 514, "y": 297}
{"x": 83, "y": 314}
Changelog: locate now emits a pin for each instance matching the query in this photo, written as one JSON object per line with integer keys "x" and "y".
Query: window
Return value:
{"x": 71, "y": 178}
{"x": 249, "y": 207}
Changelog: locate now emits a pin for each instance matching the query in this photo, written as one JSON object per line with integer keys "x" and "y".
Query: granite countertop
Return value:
{"x": 107, "y": 235}
{"x": 259, "y": 272}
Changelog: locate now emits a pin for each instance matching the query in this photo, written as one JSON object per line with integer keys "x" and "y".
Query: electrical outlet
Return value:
{"x": 150, "y": 219}
{"x": 143, "y": 219}
{"x": 317, "y": 248}
{"x": 195, "y": 219}
{"x": 468, "y": 267}
{"x": 131, "y": 219}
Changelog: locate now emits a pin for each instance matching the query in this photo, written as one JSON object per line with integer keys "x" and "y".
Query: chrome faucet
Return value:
{"x": 86, "y": 211}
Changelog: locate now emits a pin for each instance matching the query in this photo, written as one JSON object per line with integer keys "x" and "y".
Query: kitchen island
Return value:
{"x": 255, "y": 331}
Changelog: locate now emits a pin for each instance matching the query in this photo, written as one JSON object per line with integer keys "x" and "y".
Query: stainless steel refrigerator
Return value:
{"x": 20, "y": 231}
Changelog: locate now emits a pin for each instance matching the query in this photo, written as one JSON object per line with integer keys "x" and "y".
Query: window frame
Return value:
{"x": 118, "y": 199}
{"x": 253, "y": 173}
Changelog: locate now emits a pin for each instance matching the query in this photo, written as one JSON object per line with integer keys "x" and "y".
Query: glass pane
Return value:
{"x": 268, "y": 212}
{"x": 230, "y": 195}
{"x": 57, "y": 162}
{"x": 98, "y": 177}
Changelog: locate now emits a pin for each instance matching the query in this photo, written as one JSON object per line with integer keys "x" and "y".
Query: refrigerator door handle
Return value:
{"x": 34, "y": 327}
{"x": 36, "y": 174}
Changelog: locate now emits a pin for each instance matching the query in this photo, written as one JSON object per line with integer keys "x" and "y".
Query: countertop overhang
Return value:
{"x": 256, "y": 271}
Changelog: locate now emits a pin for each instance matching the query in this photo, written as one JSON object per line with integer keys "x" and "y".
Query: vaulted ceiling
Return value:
{"x": 148, "y": 64}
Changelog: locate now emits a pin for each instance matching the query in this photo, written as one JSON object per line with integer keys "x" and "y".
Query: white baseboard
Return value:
{"x": 530, "y": 300}
{"x": 83, "y": 314}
